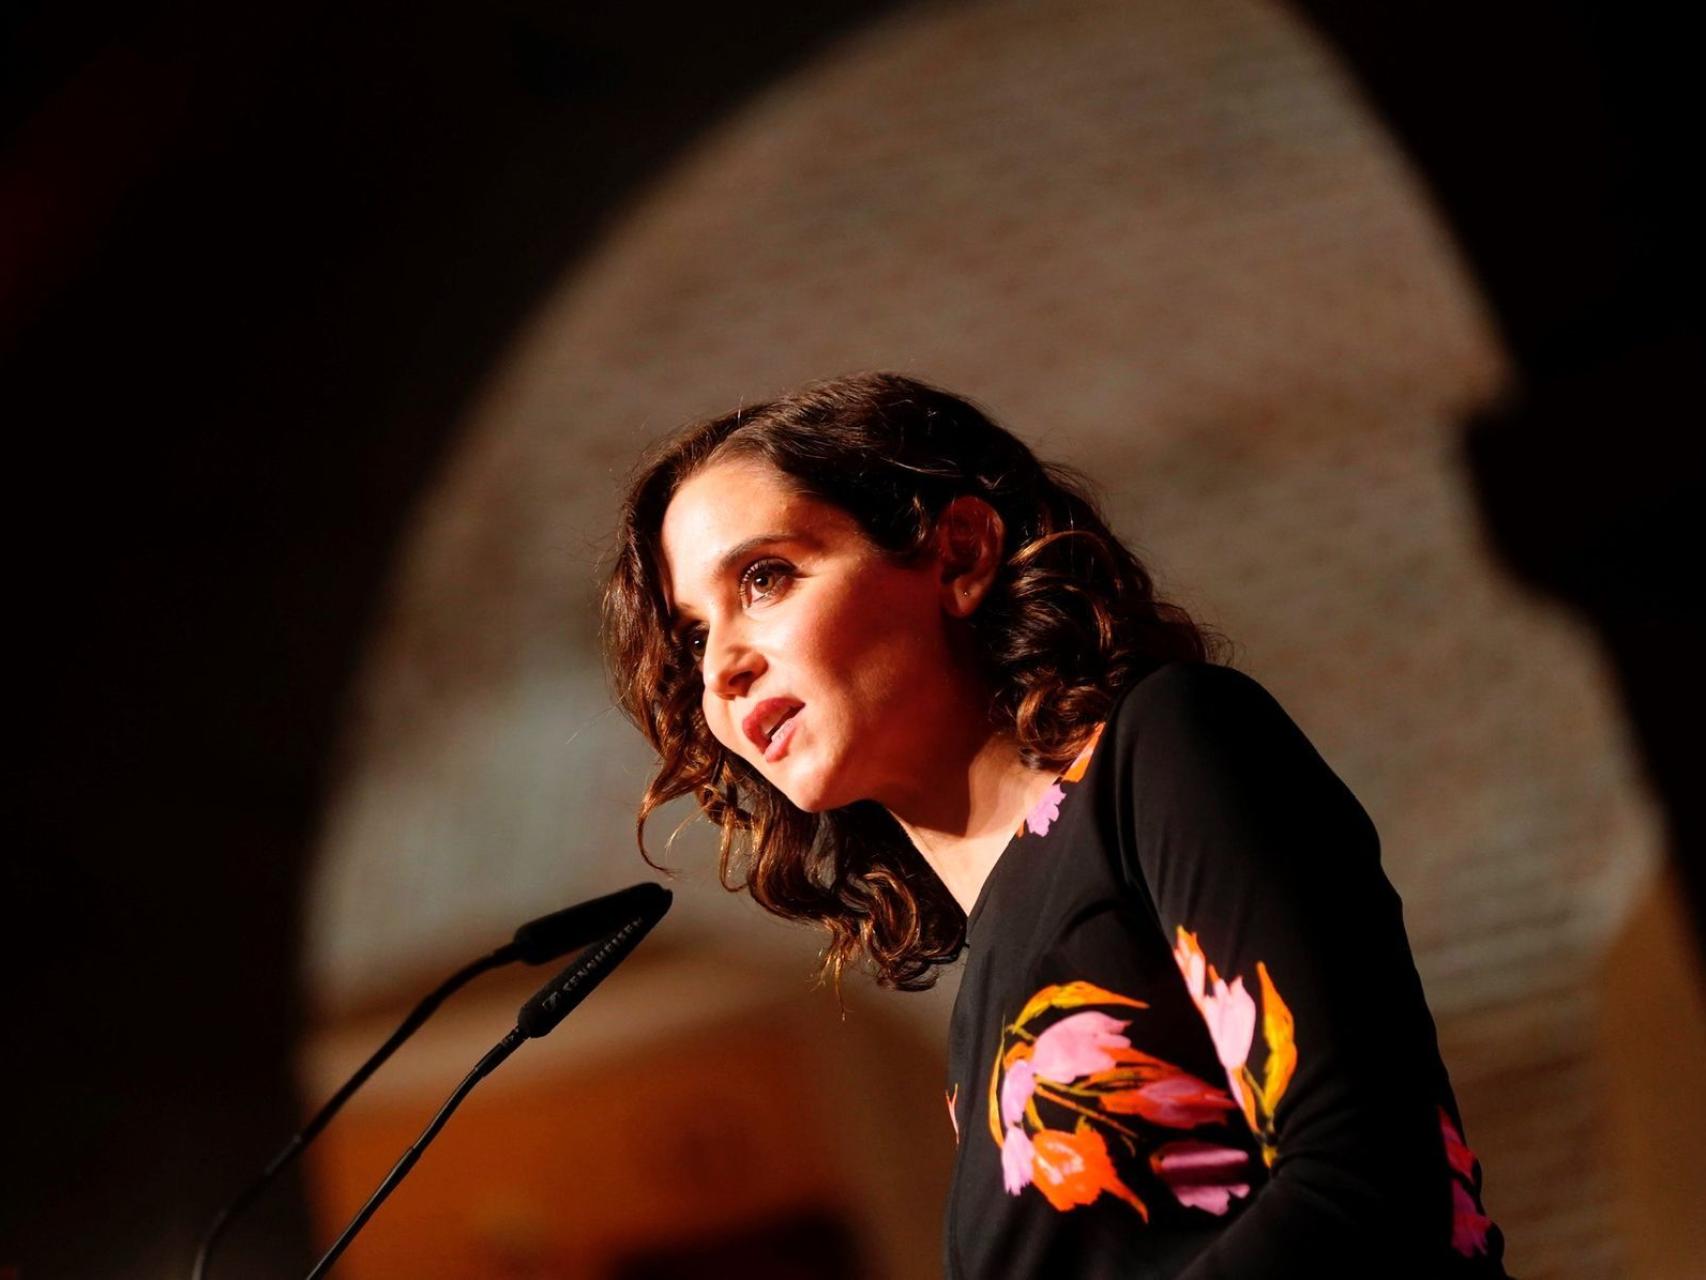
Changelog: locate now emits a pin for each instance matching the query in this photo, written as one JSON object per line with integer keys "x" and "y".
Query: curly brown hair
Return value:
{"x": 1070, "y": 620}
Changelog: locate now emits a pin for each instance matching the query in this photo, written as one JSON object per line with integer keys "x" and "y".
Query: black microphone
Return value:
{"x": 538, "y": 1017}
{"x": 536, "y": 942}
{"x": 558, "y": 998}
{"x": 543, "y": 940}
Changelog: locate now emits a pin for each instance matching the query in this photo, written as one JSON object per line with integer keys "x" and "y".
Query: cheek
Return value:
{"x": 880, "y": 670}
{"x": 722, "y": 726}
{"x": 897, "y": 642}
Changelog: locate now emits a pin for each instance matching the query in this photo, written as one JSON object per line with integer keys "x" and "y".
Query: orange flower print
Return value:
{"x": 1230, "y": 1013}
{"x": 1060, "y": 1093}
{"x": 1073, "y": 1168}
{"x": 1081, "y": 762}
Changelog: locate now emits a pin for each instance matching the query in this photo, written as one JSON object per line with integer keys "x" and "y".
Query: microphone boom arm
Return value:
{"x": 496, "y": 1054}
{"x": 539, "y": 1016}
{"x": 303, "y": 1136}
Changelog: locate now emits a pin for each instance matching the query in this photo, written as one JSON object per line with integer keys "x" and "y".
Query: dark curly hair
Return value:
{"x": 1069, "y": 621}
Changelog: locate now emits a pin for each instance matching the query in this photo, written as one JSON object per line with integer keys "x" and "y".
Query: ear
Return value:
{"x": 969, "y": 538}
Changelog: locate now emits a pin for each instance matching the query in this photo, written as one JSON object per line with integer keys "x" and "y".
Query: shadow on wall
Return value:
{"x": 1211, "y": 279}
{"x": 256, "y": 259}
{"x": 246, "y": 322}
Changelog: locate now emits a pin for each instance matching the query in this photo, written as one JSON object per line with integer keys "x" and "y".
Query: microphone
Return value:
{"x": 543, "y": 940}
{"x": 537, "y": 942}
{"x": 544, "y": 1010}
{"x": 559, "y": 997}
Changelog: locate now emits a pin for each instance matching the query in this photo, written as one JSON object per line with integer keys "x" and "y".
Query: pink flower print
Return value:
{"x": 1016, "y": 1090}
{"x": 1202, "y": 1175}
{"x": 1043, "y": 816}
{"x": 1192, "y": 964}
{"x": 1078, "y": 1046}
{"x": 1468, "y": 1224}
{"x": 1230, "y": 1012}
{"x": 1017, "y": 1153}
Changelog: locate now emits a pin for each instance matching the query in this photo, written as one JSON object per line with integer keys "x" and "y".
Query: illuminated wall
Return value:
{"x": 1162, "y": 241}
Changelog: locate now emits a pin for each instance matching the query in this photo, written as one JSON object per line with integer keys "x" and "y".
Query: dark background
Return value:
{"x": 256, "y": 261}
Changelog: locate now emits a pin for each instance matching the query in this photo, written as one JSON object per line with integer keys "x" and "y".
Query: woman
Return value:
{"x": 934, "y": 705}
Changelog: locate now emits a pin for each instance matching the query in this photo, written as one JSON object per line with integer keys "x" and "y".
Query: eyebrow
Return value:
{"x": 727, "y": 562}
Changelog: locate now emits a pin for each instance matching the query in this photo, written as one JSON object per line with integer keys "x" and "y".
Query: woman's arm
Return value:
{"x": 1264, "y": 871}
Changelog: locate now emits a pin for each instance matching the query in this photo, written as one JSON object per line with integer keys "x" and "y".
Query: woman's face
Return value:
{"x": 828, "y": 668}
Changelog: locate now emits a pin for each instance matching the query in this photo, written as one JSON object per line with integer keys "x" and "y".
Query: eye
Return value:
{"x": 760, "y": 581}
{"x": 764, "y": 580}
{"x": 693, "y": 644}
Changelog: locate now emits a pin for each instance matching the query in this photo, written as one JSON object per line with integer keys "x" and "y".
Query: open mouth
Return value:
{"x": 765, "y": 725}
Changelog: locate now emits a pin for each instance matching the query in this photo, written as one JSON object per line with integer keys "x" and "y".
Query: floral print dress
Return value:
{"x": 1190, "y": 1040}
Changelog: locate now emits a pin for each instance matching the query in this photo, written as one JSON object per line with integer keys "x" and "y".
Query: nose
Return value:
{"x": 731, "y": 663}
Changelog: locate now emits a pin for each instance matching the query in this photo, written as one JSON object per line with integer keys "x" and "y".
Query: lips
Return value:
{"x": 766, "y": 718}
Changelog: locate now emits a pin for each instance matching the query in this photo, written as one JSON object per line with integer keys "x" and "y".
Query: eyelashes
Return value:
{"x": 770, "y": 568}
{"x": 762, "y": 580}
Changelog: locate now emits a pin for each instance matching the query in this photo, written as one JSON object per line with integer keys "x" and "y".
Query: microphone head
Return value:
{"x": 557, "y": 998}
{"x": 545, "y": 939}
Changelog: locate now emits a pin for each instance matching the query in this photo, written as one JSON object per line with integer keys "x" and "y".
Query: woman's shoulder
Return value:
{"x": 1190, "y": 696}
{"x": 1188, "y": 720}
{"x": 1190, "y": 732}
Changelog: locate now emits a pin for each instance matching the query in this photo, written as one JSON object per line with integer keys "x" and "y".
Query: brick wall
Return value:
{"x": 1163, "y": 241}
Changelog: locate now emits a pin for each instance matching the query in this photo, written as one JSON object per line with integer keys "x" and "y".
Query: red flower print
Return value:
{"x": 1469, "y": 1222}
{"x": 1457, "y": 1152}
{"x": 1178, "y": 1100}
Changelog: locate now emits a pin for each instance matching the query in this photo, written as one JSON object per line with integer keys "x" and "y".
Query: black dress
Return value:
{"x": 1190, "y": 1039}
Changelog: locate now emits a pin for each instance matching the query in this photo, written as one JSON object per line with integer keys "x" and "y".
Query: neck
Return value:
{"x": 963, "y": 819}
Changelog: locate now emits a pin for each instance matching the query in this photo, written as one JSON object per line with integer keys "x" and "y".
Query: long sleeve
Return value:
{"x": 1264, "y": 873}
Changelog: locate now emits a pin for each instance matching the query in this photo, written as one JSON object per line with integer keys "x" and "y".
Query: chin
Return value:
{"x": 808, "y": 800}
{"x": 810, "y": 795}
{"x": 806, "y": 783}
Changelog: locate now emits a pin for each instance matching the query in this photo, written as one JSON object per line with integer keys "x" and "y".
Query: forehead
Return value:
{"x": 725, "y": 505}
{"x": 721, "y": 499}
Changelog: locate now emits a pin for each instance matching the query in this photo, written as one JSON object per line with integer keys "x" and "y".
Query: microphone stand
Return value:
{"x": 496, "y": 1054}
{"x": 544, "y": 1010}
{"x": 536, "y": 942}
{"x": 302, "y": 1137}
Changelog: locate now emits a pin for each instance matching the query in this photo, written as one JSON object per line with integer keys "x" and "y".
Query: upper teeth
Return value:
{"x": 771, "y": 727}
